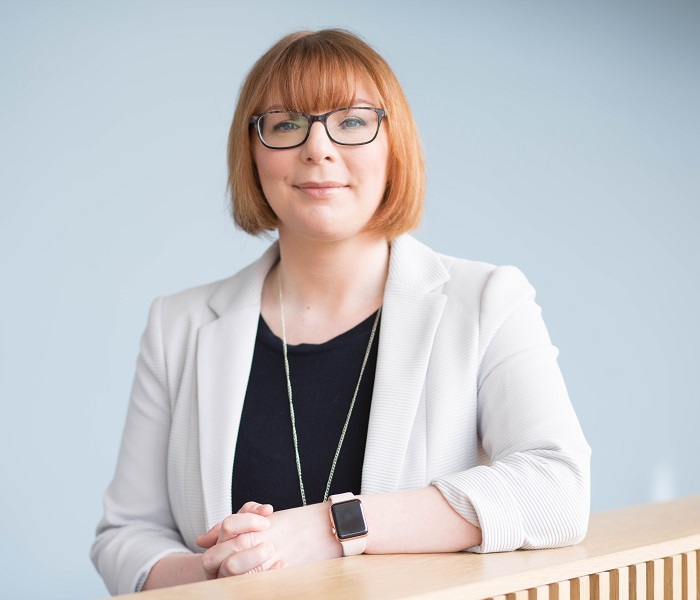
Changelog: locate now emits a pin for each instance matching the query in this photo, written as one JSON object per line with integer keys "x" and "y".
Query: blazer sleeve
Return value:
{"x": 138, "y": 527}
{"x": 535, "y": 490}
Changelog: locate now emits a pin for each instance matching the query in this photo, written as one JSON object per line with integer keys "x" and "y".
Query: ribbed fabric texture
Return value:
{"x": 467, "y": 395}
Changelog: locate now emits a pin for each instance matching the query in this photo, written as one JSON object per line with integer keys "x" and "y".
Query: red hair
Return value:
{"x": 317, "y": 71}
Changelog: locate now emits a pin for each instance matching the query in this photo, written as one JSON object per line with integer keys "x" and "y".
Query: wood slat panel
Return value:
{"x": 690, "y": 589}
{"x": 673, "y": 577}
{"x": 655, "y": 579}
{"x": 561, "y": 590}
{"x": 539, "y": 593}
{"x": 581, "y": 588}
{"x": 619, "y": 584}
{"x": 600, "y": 586}
{"x": 638, "y": 581}
{"x": 521, "y": 595}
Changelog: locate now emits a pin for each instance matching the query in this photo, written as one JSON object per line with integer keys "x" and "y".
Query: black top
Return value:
{"x": 324, "y": 377}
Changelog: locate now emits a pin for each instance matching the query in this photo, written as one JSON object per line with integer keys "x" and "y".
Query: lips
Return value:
{"x": 320, "y": 189}
{"x": 320, "y": 184}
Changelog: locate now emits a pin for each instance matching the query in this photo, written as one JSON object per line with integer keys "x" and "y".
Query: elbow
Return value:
{"x": 580, "y": 497}
{"x": 572, "y": 527}
{"x": 563, "y": 520}
{"x": 581, "y": 517}
{"x": 562, "y": 526}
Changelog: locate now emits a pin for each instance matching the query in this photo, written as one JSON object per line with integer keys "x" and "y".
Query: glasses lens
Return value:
{"x": 283, "y": 129}
{"x": 353, "y": 125}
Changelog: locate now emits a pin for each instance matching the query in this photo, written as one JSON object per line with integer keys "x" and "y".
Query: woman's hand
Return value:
{"x": 236, "y": 546}
{"x": 302, "y": 535}
{"x": 289, "y": 537}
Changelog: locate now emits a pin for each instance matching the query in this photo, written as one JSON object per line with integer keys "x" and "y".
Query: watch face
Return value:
{"x": 349, "y": 519}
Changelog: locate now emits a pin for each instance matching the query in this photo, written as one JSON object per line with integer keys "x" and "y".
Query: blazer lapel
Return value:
{"x": 413, "y": 306}
{"x": 224, "y": 356}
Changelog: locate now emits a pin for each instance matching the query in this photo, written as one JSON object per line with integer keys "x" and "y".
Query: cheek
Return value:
{"x": 372, "y": 172}
{"x": 270, "y": 168}
{"x": 372, "y": 163}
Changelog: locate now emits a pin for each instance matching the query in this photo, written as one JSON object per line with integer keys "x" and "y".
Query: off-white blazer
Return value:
{"x": 467, "y": 395}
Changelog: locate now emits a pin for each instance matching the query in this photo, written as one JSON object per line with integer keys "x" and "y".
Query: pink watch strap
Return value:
{"x": 354, "y": 546}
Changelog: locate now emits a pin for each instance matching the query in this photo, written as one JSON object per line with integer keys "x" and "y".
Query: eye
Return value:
{"x": 286, "y": 126}
{"x": 280, "y": 123}
{"x": 352, "y": 123}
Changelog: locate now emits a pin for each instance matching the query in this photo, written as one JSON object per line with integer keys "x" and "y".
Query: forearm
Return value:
{"x": 416, "y": 521}
{"x": 411, "y": 521}
{"x": 175, "y": 569}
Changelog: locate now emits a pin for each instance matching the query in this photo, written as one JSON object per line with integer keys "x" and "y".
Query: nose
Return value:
{"x": 318, "y": 146}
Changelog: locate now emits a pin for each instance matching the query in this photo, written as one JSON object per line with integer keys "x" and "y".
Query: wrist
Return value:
{"x": 332, "y": 547}
{"x": 371, "y": 526}
{"x": 348, "y": 522}
{"x": 309, "y": 531}
{"x": 175, "y": 569}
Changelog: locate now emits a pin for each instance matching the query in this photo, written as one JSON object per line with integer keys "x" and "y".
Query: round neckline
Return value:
{"x": 361, "y": 330}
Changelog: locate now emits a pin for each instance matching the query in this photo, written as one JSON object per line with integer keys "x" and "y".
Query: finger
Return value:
{"x": 248, "y": 507}
{"x": 219, "y": 552}
{"x": 237, "y": 524}
{"x": 255, "y": 507}
{"x": 246, "y": 561}
{"x": 270, "y": 565}
{"x": 241, "y": 525}
{"x": 208, "y": 539}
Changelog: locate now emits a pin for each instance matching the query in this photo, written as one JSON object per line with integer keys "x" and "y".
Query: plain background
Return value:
{"x": 560, "y": 136}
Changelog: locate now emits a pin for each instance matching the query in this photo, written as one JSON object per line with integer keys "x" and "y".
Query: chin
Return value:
{"x": 324, "y": 229}
{"x": 330, "y": 236}
{"x": 326, "y": 232}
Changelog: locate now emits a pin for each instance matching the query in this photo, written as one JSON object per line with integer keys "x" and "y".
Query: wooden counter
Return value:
{"x": 649, "y": 552}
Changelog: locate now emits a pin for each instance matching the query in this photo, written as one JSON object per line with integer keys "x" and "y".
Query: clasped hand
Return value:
{"x": 234, "y": 546}
{"x": 254, "y": 539}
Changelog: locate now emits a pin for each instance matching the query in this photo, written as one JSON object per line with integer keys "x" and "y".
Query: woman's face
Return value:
{"x": 321, "y": 190}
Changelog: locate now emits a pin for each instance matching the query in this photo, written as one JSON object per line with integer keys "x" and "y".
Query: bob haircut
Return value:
{"x": 317, "y": 71}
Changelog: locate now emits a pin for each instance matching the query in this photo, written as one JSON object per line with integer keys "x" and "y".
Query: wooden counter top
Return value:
{"x": 617, "y": 539}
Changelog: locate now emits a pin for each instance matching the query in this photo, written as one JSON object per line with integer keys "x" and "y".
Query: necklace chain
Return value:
{"x": 291, "y": 403}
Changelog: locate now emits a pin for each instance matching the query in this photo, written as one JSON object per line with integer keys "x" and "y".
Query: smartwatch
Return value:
{"x": 348, "y": 523}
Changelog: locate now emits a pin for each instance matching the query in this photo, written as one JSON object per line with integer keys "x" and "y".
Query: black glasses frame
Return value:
{"x": 255, "y": 121}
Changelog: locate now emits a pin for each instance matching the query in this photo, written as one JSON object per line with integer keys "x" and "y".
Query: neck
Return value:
{"x": 328, "y": 288}
{"x": 331, "y": 275}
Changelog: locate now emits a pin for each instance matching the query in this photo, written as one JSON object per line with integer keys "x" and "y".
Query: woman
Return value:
{"x": 350, "y": 358}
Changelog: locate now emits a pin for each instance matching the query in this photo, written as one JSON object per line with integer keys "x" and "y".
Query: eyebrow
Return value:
{"x": 355, "y": 102}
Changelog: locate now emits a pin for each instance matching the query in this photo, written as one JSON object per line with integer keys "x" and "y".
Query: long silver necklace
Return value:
{"x": 291, "y": 403}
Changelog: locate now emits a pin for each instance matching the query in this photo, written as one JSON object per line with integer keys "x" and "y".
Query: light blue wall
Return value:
{"x": 561, "y": 137}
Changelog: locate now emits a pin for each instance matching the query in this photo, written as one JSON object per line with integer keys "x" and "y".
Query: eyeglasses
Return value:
{"x": 352, "y": 126}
